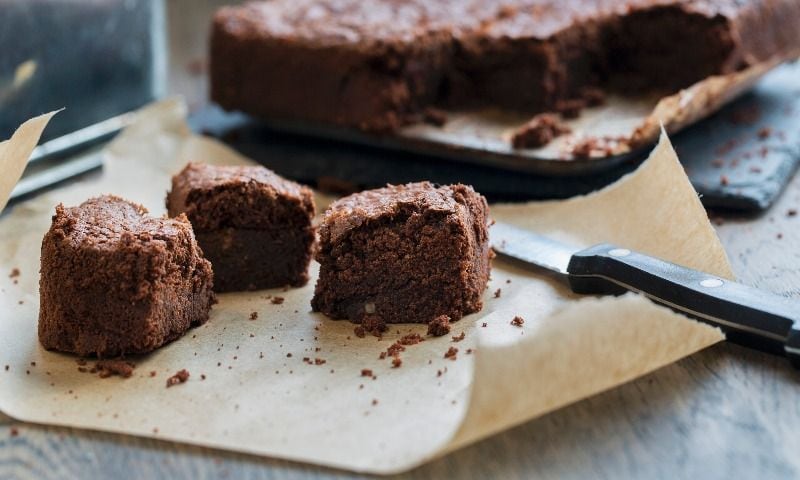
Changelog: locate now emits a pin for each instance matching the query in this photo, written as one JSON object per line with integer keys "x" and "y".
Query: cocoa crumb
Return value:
{"x": 497, "y": 293}
{"x": 434, "y": 116}
{"x": 202, "y": 376}
{"x": 439, "y": 326}
{"x": 14, "y": 273}
{"x": 374, "y": 401}
{"x": 109, "y": 368}
{"x": 7, "y": 367}
{"x": 508, "y": 280}
{"x": 438, "y": 373}
{"x": 469, "y": 351}
{"x": 180, "y": 377}
{"x": 288, "y": 355}
{"x": 319, "y": 361}
{"x": 277, "y": 300}
{"x": 14, "y": 432}
{"x": 517, "y": 321}
{"x": 764, "y": 133}
{"x": 152, "y": 373}
{"x": 411, "y": 339}
{"x": 366, "y": 372}
{"x": 484, "y": 324}
{"x": 460, "y": 337}
{"x": 538, "y": 131}
{"x": 451, "y": 353}
{"x": 253, "y": 315}
{"x": 792, "y": 212}
{"x": 397, "y": 362}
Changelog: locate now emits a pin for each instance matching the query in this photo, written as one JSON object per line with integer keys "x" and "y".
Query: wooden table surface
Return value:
{"x": 725, "y": 412}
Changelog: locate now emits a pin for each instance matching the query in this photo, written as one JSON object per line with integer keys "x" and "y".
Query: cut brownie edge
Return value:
{"x": 405, "y": 254}
{"x": 115, "y": 281}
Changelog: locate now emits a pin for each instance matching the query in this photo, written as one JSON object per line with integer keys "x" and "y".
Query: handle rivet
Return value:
{"x": 619, "y": 252}
{"x": 711, "y": 283}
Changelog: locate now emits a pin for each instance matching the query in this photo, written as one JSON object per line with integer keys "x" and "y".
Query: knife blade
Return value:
{"x": 748, "y": 316}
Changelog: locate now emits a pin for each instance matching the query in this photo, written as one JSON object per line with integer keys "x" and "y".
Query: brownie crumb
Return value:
{"x": 14, "y": 432}
{"x": 497, "y": 293}
{"x": 253, "y": 315}
{"x": 570, "y": 108}
{"x": 152, "y": 373}
{"x": 14, "y": 273}
{"x": 411, "y": 339}
{"x": 382, "y": 356}
{"x": 484, "y": 324}
{"x": 517, "y": 321}
{"x": 434, "y": 116}
{"x": 593, "y": 96}
{"x": 397, "y": 362}
{"x": 597, "y": 147}
{"x": 395, "y": 349}
{"x": 373, "y": 325}
{"x": 109, "y": 368}
{"x": 764, "y": 133}
{"x": 180, "y": 377}
{"x": 202, "y": 376}
{"x": 319, "y": 361}
{"x": 360, "y": 332}
{"x": 366, "y": 372}
{"x": 451, "y": 353}
{"x": 7, "y": 367}
{"x": 792, "y": 212}
{"x": 439, "y": 326}
{"x": 374, "y": 401}
{"x": 539, "y": 131}
{"x": 723, "y": 180}
{"x": 460, "y": 337}
{"x": 277, "y": 300}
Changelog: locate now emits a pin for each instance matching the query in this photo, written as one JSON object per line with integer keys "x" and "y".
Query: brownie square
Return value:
{"x": 404, "y": 254}
{"x": 115, "y": 281}
{"x": 253, "y": 225}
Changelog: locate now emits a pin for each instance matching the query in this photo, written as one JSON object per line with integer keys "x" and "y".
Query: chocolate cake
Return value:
{"x": 407, "y": 253}
{"x": 115, "y": 281}
{"x": 379, "y": 64}
{"x": 253, "y": 225}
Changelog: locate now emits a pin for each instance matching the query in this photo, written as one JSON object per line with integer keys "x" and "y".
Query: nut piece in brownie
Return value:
{"x": 407, "y": 253}
{"x": 253, "y": 225}
{"x": 115, "y": 281}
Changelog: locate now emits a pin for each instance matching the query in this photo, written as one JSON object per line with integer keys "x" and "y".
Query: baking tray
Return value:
{"x": 728, "y": 160}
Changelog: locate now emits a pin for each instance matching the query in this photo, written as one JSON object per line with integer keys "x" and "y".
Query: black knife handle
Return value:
{"x": 748, "y": 316}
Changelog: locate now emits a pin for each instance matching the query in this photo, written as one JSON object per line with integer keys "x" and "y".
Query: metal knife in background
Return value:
{"x": 748, "y": 316}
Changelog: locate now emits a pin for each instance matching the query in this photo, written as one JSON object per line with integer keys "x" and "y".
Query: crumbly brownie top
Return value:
{"x": 104, "y": 222}
{"x": 355, "y": 210}
{"x": 214, "y": 197}
{"x": 369, "y": 23}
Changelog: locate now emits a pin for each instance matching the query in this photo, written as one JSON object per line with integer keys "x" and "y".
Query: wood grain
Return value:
{"x": 726, "y": 412}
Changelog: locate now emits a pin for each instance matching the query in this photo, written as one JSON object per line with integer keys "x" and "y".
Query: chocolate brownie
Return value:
{"x": 379, "y": 64}
{"x": 253, "y": 225}
{"x": 407, "y": 253}
{"x": 115, "y": 281}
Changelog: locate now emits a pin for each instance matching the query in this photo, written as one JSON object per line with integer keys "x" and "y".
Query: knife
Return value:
{"x": 748, "y": 316}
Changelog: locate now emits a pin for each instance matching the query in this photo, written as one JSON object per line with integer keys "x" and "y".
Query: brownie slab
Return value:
{"x": 403, "y": 254}
{"x": 254, "y": 226}
{"x": 115, "y": 281}
{"x": 377, "y": 64}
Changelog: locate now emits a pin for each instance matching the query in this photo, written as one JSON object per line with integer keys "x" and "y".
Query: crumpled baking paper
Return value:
{"x": 289, "y": 383}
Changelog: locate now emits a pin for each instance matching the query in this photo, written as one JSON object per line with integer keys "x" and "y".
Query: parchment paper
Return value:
{"x": 256, "y": 398}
